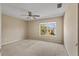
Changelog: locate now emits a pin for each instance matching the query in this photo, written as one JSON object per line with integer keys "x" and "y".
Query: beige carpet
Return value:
{"x": 33, "y": 48}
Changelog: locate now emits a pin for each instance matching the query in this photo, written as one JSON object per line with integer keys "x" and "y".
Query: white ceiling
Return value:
{"x": 45, "y": 10}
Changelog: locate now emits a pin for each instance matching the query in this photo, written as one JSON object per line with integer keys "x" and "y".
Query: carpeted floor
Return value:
{"x": 33, "y": 48}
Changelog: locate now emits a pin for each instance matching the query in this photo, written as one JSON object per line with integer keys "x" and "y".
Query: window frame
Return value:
{"x": 47, "y": 28}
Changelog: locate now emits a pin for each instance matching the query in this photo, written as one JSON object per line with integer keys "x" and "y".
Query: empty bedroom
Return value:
{"x": 39, "y": 29}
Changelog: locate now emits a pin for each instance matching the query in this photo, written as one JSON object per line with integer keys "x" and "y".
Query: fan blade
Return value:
{"x": 36, "y": 15}
{"x": 30, "y": 18}
{"x": 24, "y": 15}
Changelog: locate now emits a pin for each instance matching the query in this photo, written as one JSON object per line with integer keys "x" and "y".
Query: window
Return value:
{"x": 48, "y": 29}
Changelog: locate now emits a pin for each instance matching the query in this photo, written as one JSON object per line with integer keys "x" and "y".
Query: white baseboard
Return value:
{"x": 9, "y": 42}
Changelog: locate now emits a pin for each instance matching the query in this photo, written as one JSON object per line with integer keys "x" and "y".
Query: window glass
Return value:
{"x": 48, "y": 28}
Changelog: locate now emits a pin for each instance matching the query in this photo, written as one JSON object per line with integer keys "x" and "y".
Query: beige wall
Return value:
{"x": 33, "y": 30}
{"x": 13, "y": 29}
{"x": 71, "y": 29}
{"x": 0, "y": 25}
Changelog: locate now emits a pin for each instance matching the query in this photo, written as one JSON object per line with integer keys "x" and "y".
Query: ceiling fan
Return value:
{"x": 29, "y": 15}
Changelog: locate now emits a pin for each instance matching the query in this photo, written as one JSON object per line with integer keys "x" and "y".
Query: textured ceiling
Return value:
{"x": 45, "y": 10}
